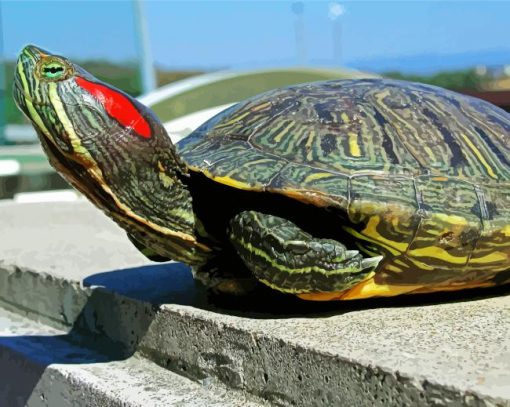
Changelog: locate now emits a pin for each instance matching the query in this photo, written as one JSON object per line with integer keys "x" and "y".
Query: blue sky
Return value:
{"x": 408, "y": 35}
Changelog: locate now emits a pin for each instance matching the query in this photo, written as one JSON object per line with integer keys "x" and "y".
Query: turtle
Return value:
{"x": 334, "y": 190}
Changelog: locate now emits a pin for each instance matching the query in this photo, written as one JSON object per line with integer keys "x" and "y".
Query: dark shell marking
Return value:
{"x": 423, "y": 173}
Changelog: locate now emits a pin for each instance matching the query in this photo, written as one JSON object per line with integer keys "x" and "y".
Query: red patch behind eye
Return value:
{"x": 117, "y": 106}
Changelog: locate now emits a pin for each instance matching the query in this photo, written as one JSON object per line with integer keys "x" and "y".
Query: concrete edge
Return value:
{"x": 283, "y": 372}
{"x": 54, "y": 301}
{"x": 48, "y": 367}
{"x": 182, "y": 339}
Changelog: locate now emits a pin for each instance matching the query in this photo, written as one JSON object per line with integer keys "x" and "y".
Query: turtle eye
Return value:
{"x": 53, "y": 70}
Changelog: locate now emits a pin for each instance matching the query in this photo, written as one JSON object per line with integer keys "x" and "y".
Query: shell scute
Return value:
{"x": 367, "y": 125}
{"x": 316, "y": 137}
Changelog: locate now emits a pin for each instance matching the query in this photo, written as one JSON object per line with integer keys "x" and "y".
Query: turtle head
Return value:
{"x": 78, "y": 115}
{"x": 110, "y": 147}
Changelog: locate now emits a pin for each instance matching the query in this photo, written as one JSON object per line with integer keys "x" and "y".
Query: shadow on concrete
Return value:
{"x": 172, "y": 283}
{"x": 62, "y": 349}
{"x": 108, "y": 327}
{"x": 25, "y": 358}
{"x": 161, "y": 283}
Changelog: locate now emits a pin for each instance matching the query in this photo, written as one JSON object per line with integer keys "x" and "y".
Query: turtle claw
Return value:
{"x": 371, "y": 262}
{"x": 350, "y": 254}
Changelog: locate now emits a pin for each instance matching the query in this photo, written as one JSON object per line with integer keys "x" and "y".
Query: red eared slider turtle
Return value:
{"x": 330, "y": 190}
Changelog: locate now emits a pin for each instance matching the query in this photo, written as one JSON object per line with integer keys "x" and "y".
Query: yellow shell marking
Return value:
{"x": 308, "y": 145}
{"x": 366, "y": 289}
{"x": 226, "y": 180}
{"x": 371, "y": 231}
{"x": 369, "y": 288}
{"x": 234, "y": 120}
{"x": 437, "y": 253}
{"x": 353, "y": 145}
{"x": 419, "y": 264}
{"x": 479, "y": 156}
{"x": 261, "y": 107}
{"x": 376, "y": 242}
{"x": 493, "y": 257}
{"x": 318, "y": 175}
{"x": 451, "y": 219}
{"x": 283, "y": 132}
{"x": 506, "y": 231}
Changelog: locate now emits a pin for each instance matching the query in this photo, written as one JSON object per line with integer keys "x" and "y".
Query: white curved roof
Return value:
{"x": 184, "y": 125}
{"x": 178, "y": 87}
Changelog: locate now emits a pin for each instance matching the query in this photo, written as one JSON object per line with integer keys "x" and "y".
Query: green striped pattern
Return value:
{"x": 288, "y": 259}
{"x": 370, "y": 125}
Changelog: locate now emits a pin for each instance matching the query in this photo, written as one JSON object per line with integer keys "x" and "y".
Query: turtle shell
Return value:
{"x": 300, "y": 137}
{"x": 423, "y": 171}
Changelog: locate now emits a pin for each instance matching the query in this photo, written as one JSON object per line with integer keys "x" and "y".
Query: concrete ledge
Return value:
{"x": 40, "y": 366}
{"x": 82, "y": 272}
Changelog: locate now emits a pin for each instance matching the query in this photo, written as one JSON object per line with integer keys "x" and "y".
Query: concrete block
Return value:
{"x": 42, "y": 366}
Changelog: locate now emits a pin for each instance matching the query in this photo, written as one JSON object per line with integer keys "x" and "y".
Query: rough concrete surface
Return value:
{"x": 444, "y": 354}
{"x": 41, "y": 366}
{"x": 41, "y": 237}
{"x": 428, "y": 350}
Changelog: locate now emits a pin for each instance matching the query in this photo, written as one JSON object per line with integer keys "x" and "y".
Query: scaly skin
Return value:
{"x": 113, "y": 150}
{"x": 288, "y": 259}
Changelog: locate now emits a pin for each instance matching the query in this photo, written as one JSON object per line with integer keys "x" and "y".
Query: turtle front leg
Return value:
{"x": 288, "y": 259}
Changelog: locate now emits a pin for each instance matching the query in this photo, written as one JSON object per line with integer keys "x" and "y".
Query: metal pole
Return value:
{"x": 335, "y": 12}
{"x": 337, "y": 41}
{"x": 3, "y": 124}
{"x": 299, "y": 24}
{"x": 146, "y": 64}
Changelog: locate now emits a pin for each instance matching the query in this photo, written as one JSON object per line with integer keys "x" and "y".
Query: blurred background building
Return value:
{"x": 190, "y": 59}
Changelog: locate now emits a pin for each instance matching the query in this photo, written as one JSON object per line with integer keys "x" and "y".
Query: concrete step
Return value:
{"x": 43, "y": 366}
{"x": 67, "y": 265}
